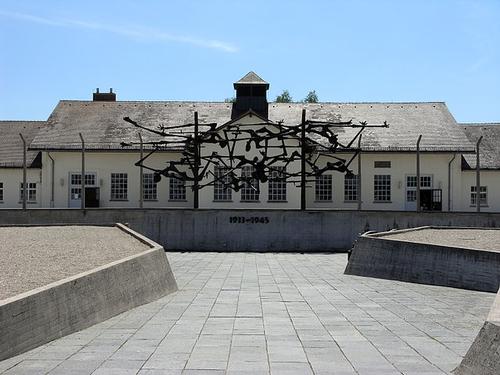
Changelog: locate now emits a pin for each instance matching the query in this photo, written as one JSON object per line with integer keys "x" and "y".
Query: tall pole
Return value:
{"x": 418, "y": 172}
{"x": 359, "y": 173}
{"x": 478, "y": 176}
{"x": 303, "y": 162}
{"x": 196, "y": 186}
{"x": 24, "y": 172}
{"x": 449, "y": 181}
{"x": 83, "y": 173}
{"x": 141, "y": 174}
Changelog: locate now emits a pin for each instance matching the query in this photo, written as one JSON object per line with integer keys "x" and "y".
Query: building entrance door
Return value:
{"x": 431, "y": 200}
{"x": 426, "y": 193}
{"x": 75, "y": 187}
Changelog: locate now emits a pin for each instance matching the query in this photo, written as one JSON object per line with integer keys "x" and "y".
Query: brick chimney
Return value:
{"x": 104, "y": 96}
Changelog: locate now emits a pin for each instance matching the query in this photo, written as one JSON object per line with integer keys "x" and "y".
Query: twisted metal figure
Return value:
{"x": 273, "y": 144}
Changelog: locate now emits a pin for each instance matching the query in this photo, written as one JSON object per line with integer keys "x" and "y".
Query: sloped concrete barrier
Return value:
{"x": 63, "y": 307}
{"x": 483, "y": 357}
{"x": 375, "y": 256}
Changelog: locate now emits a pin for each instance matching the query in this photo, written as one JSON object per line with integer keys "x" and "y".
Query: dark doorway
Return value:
{"x": 431, "y": 200}
{"x": 91, "y": 197}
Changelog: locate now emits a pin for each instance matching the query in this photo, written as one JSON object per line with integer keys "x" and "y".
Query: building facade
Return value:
{"x": 382, "y": 176}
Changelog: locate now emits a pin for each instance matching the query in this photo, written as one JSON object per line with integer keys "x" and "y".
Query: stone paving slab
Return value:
{"x": 264, "y": 313}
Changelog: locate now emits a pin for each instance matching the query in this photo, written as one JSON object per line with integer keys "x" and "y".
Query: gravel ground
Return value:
{"x": 31, "y": 257}
{"x": 479, "y": 239}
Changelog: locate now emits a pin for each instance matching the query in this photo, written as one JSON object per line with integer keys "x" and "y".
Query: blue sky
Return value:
{"x": 347, "y": 51}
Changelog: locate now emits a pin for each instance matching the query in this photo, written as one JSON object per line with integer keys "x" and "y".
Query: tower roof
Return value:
{"x": 251, "y": 79}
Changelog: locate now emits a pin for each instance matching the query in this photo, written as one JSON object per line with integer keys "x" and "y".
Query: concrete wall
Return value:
{"x": 483, "y": 357}
{"x": 252, "y": 230}
{"x": 374, "y": 256}
{"x": 44, "y": 314}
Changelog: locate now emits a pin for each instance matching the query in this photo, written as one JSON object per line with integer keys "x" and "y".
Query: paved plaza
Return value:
{"x": 253, "y": 313}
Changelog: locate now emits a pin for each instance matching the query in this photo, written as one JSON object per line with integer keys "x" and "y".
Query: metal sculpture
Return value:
{"x": 307, "y": 142}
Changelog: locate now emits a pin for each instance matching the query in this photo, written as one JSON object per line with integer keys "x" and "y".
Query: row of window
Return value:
{"x": 119, "y": 188}
{"x": 277, "y": 186}
{"x": 30, "y": 192}
{"x": 250, "y": 190}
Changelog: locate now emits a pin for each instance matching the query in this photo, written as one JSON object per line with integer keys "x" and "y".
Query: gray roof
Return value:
{"x": 251, "y": 78}
{"x": 11, "y": 146}
{"x": 489, "y": 149}
{"x": 102, "y": 125}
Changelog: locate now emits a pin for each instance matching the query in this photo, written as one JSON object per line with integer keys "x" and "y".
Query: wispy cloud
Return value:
{"x": 132, "y": 32}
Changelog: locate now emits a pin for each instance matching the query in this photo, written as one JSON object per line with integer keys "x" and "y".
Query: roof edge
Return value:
{"x": 229, "y": 104}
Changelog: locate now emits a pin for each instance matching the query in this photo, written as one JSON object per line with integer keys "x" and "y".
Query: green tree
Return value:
{"x": 284, "y": 97}
{"x": 230, "y": 100}
{"x": 311, "y": 97}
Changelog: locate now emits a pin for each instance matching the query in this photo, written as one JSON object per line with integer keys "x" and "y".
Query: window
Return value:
{"x": 222, "y": 189}
{"x": 177, "y": 190}
{"x": 119, "y": 186}
{"x": 411, "y": 181}
{"x": 1, "y": 191}
{"x": 30, "y": 192}
{"x": 382, "y": 164}
{"x": 76, "y": 179}
{"x": 425, "y": 182}
{"x": 411, "y": 195}
{"x": 277, "y": 185}
{"x": 149, "y": 191}
{"x": 250, "y": 190}
{"x": 324, "y": 188}
{"x": 350, "y": 188}
{"x": 382, "y": 188}
{"x": 483, "y": 195}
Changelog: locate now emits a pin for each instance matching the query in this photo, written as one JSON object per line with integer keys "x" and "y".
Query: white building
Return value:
{"x": 489, "y": 156}
{"x": 388, "y": 157}
{"x": 11, "y": 165}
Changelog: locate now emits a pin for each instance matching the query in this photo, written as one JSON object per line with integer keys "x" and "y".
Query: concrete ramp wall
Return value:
{"x": 374, "y": 256}
{"x": 34, "y": 318}
{"x": 483, "y": 357}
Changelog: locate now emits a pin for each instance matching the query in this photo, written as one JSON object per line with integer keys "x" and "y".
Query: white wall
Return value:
{"x": 402, "y": 164}
{"x": 490, "y": 179}
{"x": 12, "y": 179}
{"x": 103, "y": 164}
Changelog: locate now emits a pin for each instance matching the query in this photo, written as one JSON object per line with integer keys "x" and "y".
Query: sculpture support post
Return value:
{"x": 418, "y": 172}
{"x": 358, "y": 187}
{"x": 82, "y": 195}
{"x": 449, "y": 181}
{"x": 303, "y": 162}
{"x": 24, "y": 172}
{"x": 478, "y": 176}
{"x": 141, "y": 173}
{"x": 196, "y": 187}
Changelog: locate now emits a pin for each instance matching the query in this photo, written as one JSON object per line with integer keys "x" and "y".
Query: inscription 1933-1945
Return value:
{"x": 250, "y": 220}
